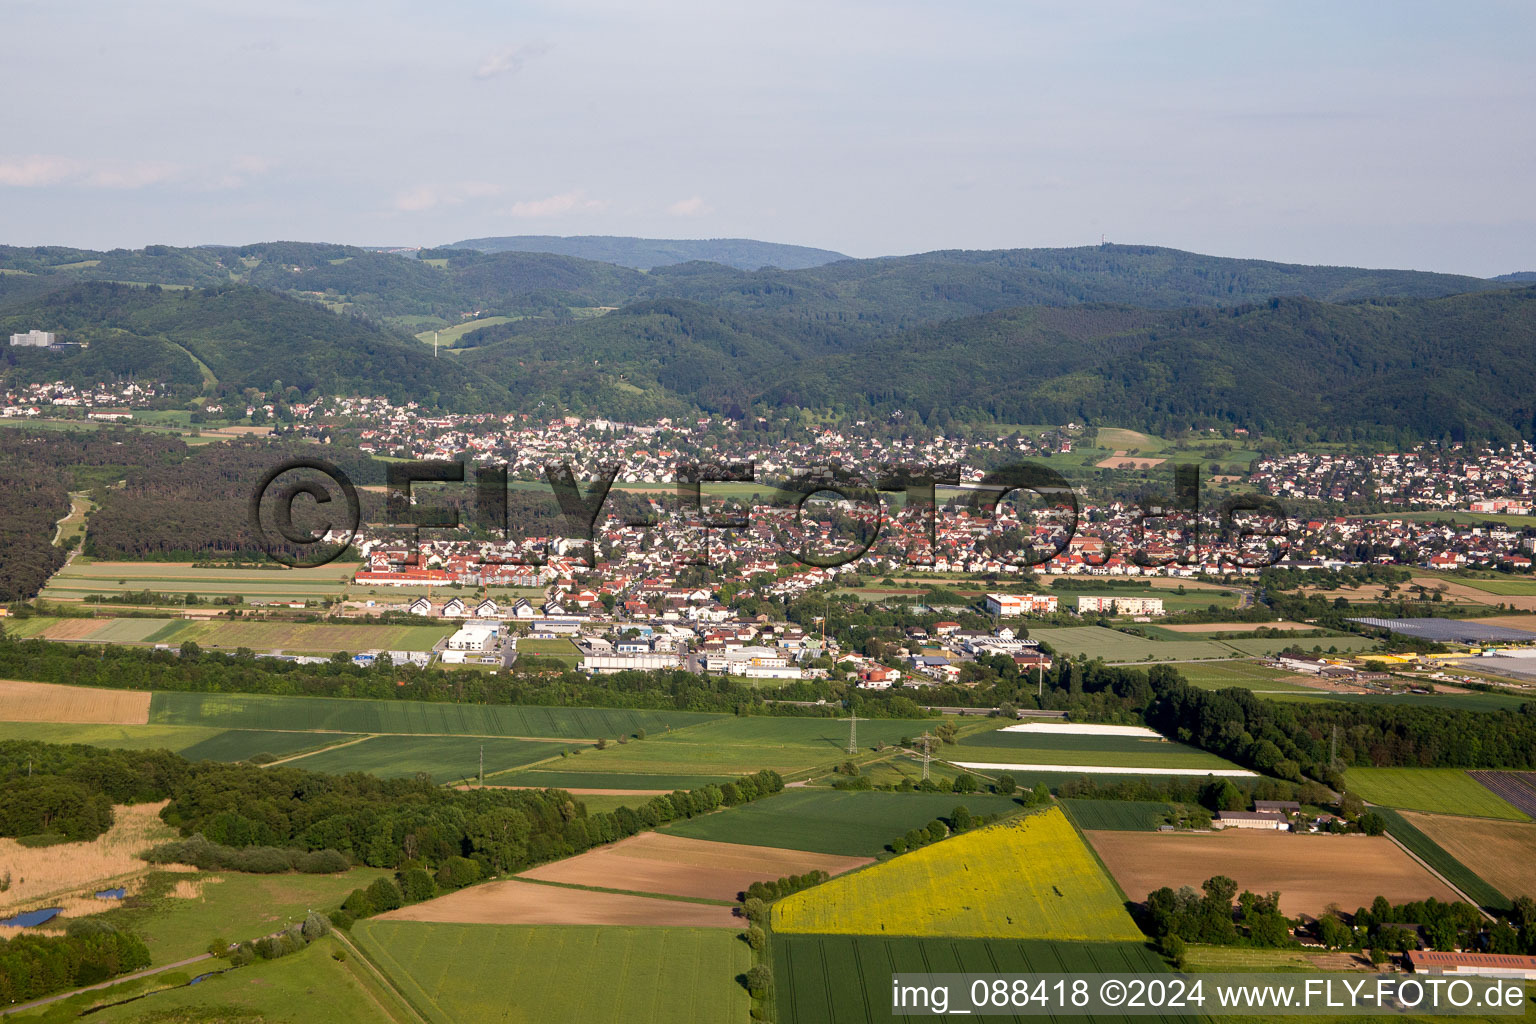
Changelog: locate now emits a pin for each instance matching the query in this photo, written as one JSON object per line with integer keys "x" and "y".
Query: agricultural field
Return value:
{"x": 249, "y": 744}
{"x": 846, "y": 979}
{"x": 1115, "y": 646}
{"x": 124, "y": 737}
{"x": 1439, "y": 859}
{"x": 1247, "y": 675}
{"x": 1254, "y": 647}
{"x": 1516, "y": 788}
{"x": 1118, "y": 815}
{"x": 854, "y": 824}
{"x": 341, "y": 714}
{"x": 647, "y": 975}
{"x": 1025, "y": 878}
{"x": 553, "y": 777}
{"x": 1050, "y": 745}
{"x": 83, "y": 577}
{"x": 734, "y": 746}
{"x": 1503, "y": 587}
{"x": 656, "y": 862}
{"x": 1499, "y": 852}
{"x": 84, "y": 705}
{"x": 292, "y": 637}
{"x": 444, "y": 758}
{"x": 1309, "y": 871}
{"x": 517, "y": 902}
{"x": 1443, "y": 790}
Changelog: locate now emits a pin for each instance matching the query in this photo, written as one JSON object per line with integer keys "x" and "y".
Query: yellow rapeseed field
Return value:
{"x": 1030, "y": 878}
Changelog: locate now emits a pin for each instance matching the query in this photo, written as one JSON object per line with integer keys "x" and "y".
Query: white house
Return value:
{"x": 487, "y": 609}
{"x": 453, "y": 609}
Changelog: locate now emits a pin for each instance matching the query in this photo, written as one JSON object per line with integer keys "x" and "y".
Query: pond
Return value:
{"x": 111, "y": 894}
{"x": 32, "y": 918}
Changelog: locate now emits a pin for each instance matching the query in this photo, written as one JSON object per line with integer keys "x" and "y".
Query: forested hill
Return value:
{"x": 1300, "y": 368}
{"x": 243, "y": 337}
{"x": 645, "y": 253}
{"x": 858, "y": 297}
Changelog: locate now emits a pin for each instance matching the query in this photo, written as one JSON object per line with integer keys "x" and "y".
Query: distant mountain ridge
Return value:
{"x": 645, "y": 253}
{"x": 1518, "y": 277}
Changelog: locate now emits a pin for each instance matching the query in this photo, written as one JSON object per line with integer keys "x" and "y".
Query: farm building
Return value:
{"x": 1487, "y": 965}
{"x": 1272, "y": 820}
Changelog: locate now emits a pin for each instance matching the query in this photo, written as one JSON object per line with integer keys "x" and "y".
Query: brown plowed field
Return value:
{"x": 514, "y": 902}
{"x": 1501, "y": 853}
{"x": 79, "y": 705}
{"x": 1310, "y": 871}
{"x": 653, "y": 862}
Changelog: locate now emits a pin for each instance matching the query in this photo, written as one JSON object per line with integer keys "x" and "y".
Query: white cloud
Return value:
{"x": 43, "y": 171}
{"x": 693, "y": 206}
{"x": 425, "y": 197}
{"x": 508, "y": 61}
{"x": 553, "y": 206}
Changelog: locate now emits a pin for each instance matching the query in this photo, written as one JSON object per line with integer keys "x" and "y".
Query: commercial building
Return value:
{"x": 473, "y": 636}
{"x": 1010, "y": 605}
{"x": 606, "y": 664}
{"x": 1120, "y": 605}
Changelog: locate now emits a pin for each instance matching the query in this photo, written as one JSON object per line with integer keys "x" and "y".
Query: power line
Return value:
{"x": 927, "y": 755}
{"x": 853, "y": 733}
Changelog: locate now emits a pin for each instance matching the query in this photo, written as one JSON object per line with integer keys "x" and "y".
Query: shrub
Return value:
{"x": 384, "y": 895}
{"x": 416, "y": 885}
{"x": 358, "y": 905}
{"x": 457, "y": 872}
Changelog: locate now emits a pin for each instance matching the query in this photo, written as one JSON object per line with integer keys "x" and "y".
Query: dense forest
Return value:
{"x": 40, "y": 468}
{"x": 1133, "y": 336}
{"x": 645, "y": 253}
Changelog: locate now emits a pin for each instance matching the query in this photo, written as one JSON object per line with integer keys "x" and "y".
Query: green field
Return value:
{"x": 310, "y": 985}
{"x": 244, "y": 744}
{"x": 445, "y": 758}
{"x": 293, "y": 637}
{"x": 1244, "y": 674}
{"x": 562, "y": 973}
{"x": 1444, "y": 790}
{"x": 561, "y": 778}
{"x": 1254, "y": 646}
{"x": 846, "y": 979}
{"x": 1070, "y": 749}
{"x": 559, "y": 648}
{"x": 853, "y": 824}
{"x": 1117, "y": 815}
{"x": 1113, "y": 645}
{"x": 733, "y": 746}
{"x": 1509, "y": 587}
{"x": 1437, "y": 857}
{"x": 448, "y": 336}
{"x": 340, "y": 714}
{"x": 123, "y": 737}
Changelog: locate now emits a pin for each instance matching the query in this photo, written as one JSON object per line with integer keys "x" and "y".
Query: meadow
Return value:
{"x": 1115, "y": 646}
{"x": 309, "y": 985}
{"x": 834, "y": 821}
{"x": 341, "y": 714}
{"x": 444, "y": 758}
{"x": 1244, "y": 674}
{"x": 178, "y": 912}
{"x": 1026, "y": 878}
{"x": 1117, "y": 815}
{"x": 557, "y": 648}
{"x": 555, "y": 776}
{"x": 846, "y": 979}
{"x": 610, "y": 974}
{"x": 1445, "y": 790}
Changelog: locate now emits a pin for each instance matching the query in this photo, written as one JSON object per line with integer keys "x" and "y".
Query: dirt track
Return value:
{"x": 1310, "y": 871}
{"x": 653, "y": 862}
{"x": 514, "y": 902}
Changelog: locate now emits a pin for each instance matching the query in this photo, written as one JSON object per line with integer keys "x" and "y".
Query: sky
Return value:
{"x": 1387, "y": 134}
